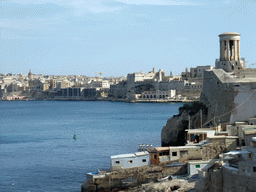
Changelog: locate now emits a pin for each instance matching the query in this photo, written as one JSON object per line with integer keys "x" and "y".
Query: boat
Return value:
{"x": 74, "y": 137}
{"x": 163, "y": 178}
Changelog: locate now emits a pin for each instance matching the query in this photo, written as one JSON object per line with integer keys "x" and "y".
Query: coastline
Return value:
{"x": 111, "y": 100}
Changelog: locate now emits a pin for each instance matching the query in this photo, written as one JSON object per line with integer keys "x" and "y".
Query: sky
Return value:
{"x": 117, "y": 37}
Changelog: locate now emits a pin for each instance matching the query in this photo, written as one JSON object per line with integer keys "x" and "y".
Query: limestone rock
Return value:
{"x": 173, "y": 134}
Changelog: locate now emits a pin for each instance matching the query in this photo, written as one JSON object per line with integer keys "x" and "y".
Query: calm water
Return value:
{"x": 37, "y": 149}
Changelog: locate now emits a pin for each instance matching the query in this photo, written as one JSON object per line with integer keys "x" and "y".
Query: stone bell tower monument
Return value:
{"x": 230, "y": 59}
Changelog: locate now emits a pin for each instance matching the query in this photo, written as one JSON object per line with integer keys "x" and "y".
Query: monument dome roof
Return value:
{"x": 229, "y": 33}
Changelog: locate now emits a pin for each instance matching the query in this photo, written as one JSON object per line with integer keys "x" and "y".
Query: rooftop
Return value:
{"x": 198, "y": 162}
{"x": 203, "y": 130}
{"x": 250, "y": 132}
{"x": 222, "y": 136}
{"x": 123, "y": 156}
{"x": 161, "y": 148}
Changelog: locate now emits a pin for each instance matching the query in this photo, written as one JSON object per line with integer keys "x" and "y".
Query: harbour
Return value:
{"x": 40, "y": 154}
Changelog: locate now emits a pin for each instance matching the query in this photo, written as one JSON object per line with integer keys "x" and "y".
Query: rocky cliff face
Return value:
{"x": 173, "y": 134}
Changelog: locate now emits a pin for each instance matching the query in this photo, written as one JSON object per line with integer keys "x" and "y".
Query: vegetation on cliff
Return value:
{"x": 193, "y": 108}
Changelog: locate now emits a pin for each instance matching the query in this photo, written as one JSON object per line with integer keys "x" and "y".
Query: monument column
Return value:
{"x": 238, "y": 49}
{"x": 228, "y": 58}
{"x": 235, "y": 49}
{"x": 222, "y": 52}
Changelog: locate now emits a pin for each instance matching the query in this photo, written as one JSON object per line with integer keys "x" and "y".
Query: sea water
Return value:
{"x": 37, "y": 149}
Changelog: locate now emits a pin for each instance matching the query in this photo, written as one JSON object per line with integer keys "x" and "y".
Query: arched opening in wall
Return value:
{"x": 154, "y": 96}
{"x": 144, "y": 96}
{"x": 150, "y": 96}
{"x": 231, "y": 50}
{"x": 163, "y": 96}
{"x": 232, "y": 66}
{"x": 147, "y": 96}
{"x": 225, "y": 50}
{"x": 160, "y": 96}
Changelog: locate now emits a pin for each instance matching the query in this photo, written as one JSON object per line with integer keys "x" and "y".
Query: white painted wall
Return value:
{"x": 192, "y": 170}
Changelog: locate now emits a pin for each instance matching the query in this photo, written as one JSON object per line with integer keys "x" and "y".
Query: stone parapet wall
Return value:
{"x": 232, "y": 181}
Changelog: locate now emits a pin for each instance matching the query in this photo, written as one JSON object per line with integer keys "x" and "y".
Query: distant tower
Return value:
{"x": 230, "y": 59}
{"x": 30, "y": 75}
{"x": 160, "y": 75}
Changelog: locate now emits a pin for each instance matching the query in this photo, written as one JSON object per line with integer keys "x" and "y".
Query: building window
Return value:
{"x": 160, "y": 154}
{"x": 254, "y": 169}
{"x": 155, "y": 156}
{"x": 197, "y": 166}
{"x": 130, "y": 161}
{"x": 166, "y": 153}
{"x": 144, "y": 160}
{"x": 174, "y": 154}
{"x": 117, "y": 162}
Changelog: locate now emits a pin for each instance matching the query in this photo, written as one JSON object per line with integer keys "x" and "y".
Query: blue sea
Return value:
{"x": 37, "y": 149}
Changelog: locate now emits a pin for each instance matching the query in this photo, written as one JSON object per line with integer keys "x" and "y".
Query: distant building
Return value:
{"x": 53, "y": 83}
{"x": 69, "y": 93}
{"x": 101, "y": 84}
{"x": 30, "y": 75}
{"x": 195, "y": 73}
{"x": 90, "y": 93}
{"x": 44, "y": 86}
{"x": 158, "y": 94}
{"x": 63, "y": 84}
{"x": 152, "y": 75}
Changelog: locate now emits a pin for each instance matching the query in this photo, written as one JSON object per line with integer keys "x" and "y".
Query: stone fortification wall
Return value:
{"x": 118, "y": 91}
{"x": 217, "y": 95}
{"x": 232, "y": 181}
{"x": 213, "y": 182}
{"x": 228, "y": 98}
{"x": 227, "y": 179}
{"x": 126, "y": 88}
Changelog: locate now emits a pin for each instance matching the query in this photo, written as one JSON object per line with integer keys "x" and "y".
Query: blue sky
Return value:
{"x": 81, "y": 37}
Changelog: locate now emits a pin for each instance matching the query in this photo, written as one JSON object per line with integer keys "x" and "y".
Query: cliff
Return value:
{"x": 173, "y": 133}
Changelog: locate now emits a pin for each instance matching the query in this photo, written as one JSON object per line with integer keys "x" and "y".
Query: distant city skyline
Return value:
{"x": 63, "y": 37}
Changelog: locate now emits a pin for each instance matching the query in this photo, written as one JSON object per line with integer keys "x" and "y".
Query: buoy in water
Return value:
{"x": 74, "y": 137}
